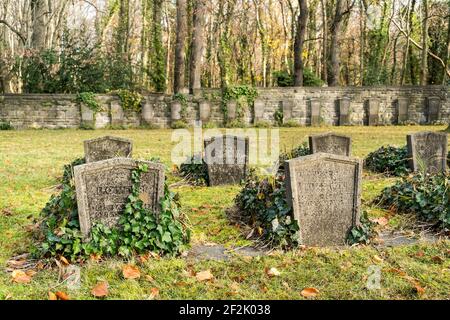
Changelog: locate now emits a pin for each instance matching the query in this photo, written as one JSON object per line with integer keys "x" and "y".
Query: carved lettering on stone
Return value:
{"x": 107, "y": 147}
{"x": 331, "y": 143}
{"x": 428, "y": 150}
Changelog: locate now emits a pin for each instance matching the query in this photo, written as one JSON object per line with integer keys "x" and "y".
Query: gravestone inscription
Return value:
{"x": 324, "y": 191}
{"x": 428, "y": 151}
{"x": 226, "y": 159}
{"x": 330, "y": 143}
{"x": 103, "y": 187}
{"x": 107, "y": 147}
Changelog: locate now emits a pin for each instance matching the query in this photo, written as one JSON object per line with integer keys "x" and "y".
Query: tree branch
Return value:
{"x": 21, "y": 36}
{"x": 418, "y": 46}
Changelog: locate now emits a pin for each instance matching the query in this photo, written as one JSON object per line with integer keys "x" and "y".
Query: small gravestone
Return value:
{"x": 204, "y": 110}
{"x": 103, "y": 187}
{"x": 116, "y": 112}
{"x": 344, "y": 111}
{"x": 232, "y": 110}
{"x": 258, "y": 108}
{"x": 315, "y": 112}
{"x": 107, "y": 147}
{"x": 434, "y": 109}
{"x": 324, "y": 191}
{"x": 402, "y": 107}
{"x": 226, "y": 158}
{"x": 428, "y": 151}
{"x": 288, "y": 106}
{"x": 330, "y": 143}
{"x": 374, "y": 109}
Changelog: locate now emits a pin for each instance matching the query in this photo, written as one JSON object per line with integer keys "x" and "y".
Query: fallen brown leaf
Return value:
{"x": 149, "y": 278}
{"x": 62, "y": 295}
{"x": 309, "y": 292}
{"x": 100, "y": 290}
{"x": 273, "y": 272}
{"x": 64, "y": 260}
{"x": 52, "y": 296}
{"x": 20, "y": 277}
{"x": 377, "y": 259}
{"x": 154, "y": 292}
{"x": 204, "y": 275}
{"x": 131, "y": 272}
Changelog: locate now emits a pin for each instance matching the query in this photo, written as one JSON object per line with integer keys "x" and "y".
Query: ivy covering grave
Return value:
{"x": 389, "y": 160}
{"x": 138, "y": 230}
{"x": 425, "y": 195}
{"x": 194, "y": 170}
{"x": 261, "y": 204}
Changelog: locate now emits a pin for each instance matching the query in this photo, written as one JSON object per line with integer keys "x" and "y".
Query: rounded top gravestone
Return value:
{"x": 107, "y": 147}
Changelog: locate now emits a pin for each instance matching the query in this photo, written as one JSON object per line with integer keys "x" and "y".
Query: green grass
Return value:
{"x": 32, "y": 160}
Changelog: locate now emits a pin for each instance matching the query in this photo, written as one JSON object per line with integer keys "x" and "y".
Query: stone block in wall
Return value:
{"x": 288, "y": 106}
{"x": 231, "y": 110}
{"x": 87, "y": 116}
{"x": 374, "y": 111}
{"x": 344, "y": 111}
{"x": 402, "y": 110}
{"x": 175, "y": 110}
{"x": 116, "y": 112}
{"x": 434, "y": 105}
{"x": 102, "y": 119}
{"x": 204, "y": 109}
{"x": 258, "y": 108}
{"x": 147, "y": 113}
{"x": 315, "y": 112}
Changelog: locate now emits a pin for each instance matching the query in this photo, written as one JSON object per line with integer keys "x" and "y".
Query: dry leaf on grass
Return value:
{"x": 52, "y": 296}
{"x": 273, "y": 272}
{"x": 100, "y": 290}
{"x": 377, "y": 259}
{"x": 309, "y": 292}
{"x": 204, "y": 275}
{"x": 382, "y": 221}
{"x": 154, "y": 292}
{"x": 131, "y": 272}
{"x": 64, "y": 260}
{"x": 19, "y": 276}
{"x": 149, "y": 278}
{"x": 62, "y": 295}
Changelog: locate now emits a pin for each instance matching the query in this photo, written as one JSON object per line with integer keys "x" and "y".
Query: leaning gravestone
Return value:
{"x": 427, "y": 150}
{"x": 107, "y": 147}
{"x": 103, "y": 187}
{"x": 226, "y": 158}
{"x": 324, "y": 191}
{"x": 330, "y": 143}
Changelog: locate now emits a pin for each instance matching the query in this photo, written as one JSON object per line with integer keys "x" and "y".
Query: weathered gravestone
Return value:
{"x": 324, "y": 191}
{"x": 374, "y": 109}
{"x": 402, "y": 106}
{"x": 315, "y": 112}
{"x": 344, "y": 111}
{"x": 226, "y": 158}
{"x": 427, "y": 150}
{"x": 258, "y": 107}
{"x": 107, "y": 147}
{"x": 330, "y": 143}
{"x": 434, "y": 109}
{"x": 288, "y": 108}
{"x": 103, "y": 187}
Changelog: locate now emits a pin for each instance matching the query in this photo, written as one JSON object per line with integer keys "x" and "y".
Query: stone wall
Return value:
{"x": 305, "y": 106}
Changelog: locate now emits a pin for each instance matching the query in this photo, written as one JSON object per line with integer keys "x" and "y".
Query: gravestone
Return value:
{"x": 344, "y": 111}
{"x": 231, "y": 110}
{"x": 434, "y": 109}
{"x": 288, "y": 106}
{"x": 324, "y": 191}
{"x": 103, "y": 187}
{"x": 107, "y": 147}
{"x": 330, "y": 143}
{"x": 258, "y": 108}
{"x": 315, "y": 112}
{"x": 226, "y": 159}
{"x": 175, "y": 110}
{"x": 204, "y": 109}
{"x": 402, "y": 107}
{"x": 116, "y": 112}
{"x": 427, "y": 150}
{"x": 374, "y": 109}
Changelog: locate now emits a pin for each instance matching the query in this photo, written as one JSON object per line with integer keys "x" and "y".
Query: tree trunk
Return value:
{"x": 299, "y": 41}
{"x": 334, "y": 46}
{"x": 158, "y": 76}
{"x": 424, "y": 64}
{"x": 198, "y": 38}
{"x": 39, "y": 11}
{"x": 324, "y": 42}
{"x": 180, "y": 47}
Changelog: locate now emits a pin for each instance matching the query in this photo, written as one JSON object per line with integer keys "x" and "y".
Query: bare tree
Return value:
{"x": 197, "y": 43}
{"x": 180, "y": 47}
{"x": 299, "y": 41}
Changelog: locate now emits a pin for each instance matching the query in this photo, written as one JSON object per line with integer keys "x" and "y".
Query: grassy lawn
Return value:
{"x": 31, "y": 161}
